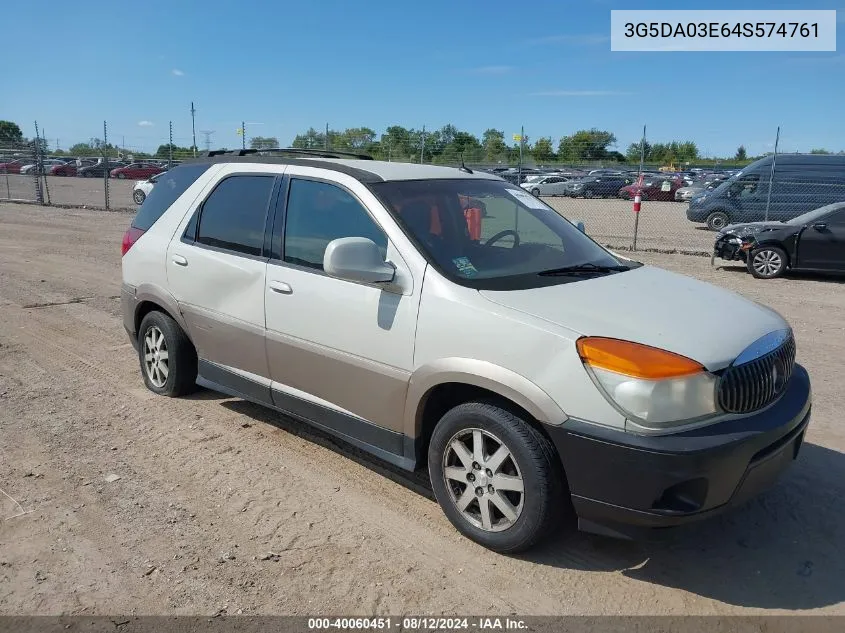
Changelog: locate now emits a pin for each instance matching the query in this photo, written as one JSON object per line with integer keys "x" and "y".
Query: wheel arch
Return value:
{"x": 149, "y": 298}
{"x": 439, "y": 386}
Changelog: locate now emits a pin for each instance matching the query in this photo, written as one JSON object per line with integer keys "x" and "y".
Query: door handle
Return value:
{"x": 179, "y": 260}
{"x": 281, "y": 287}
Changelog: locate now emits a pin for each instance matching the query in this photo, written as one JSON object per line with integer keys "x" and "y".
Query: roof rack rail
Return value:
{"x": 293, "y": 151}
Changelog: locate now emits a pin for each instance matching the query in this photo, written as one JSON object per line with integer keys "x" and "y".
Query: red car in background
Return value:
{"x": 136, "y": 171}
{"x": 654, "y": 188}
{"x": 12, "y": 167}
{"x": 68, "y": 169}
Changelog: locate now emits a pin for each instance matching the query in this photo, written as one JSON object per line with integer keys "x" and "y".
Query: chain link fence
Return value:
{"x": 655, "y": 196}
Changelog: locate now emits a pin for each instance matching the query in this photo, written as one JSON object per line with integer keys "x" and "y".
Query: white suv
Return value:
{"x": 531, "y": 371}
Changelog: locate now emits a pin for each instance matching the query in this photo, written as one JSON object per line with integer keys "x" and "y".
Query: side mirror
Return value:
{"x": 581, "y": 227}
{"x": 820, "y": 226}
{"x": 357, "y": 259}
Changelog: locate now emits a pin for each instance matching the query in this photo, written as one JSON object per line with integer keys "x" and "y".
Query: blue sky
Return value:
{"x": 285, "y": 65}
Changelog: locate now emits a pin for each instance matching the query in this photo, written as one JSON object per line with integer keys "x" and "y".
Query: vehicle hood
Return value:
{"x": 651, "y": 306}
{"x": 751, "y": 228}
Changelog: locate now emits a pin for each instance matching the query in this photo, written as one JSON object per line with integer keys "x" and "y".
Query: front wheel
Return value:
{"x": 496, "y": 477}
{"x": 139, "y": 196}
{"x": 589, "y": 193}
{"x": 535, "y": 192}
{"x": 767, "y": 262}
{"x": 121, "y": 176}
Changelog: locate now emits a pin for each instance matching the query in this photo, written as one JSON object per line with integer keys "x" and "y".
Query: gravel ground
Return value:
{"x": 125, "y": 502}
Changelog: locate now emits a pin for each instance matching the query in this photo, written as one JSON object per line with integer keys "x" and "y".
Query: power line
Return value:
{"x": 207, "y": 134}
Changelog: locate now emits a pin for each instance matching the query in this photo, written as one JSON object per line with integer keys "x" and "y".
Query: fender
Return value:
{"x": 478, "y": 373}
{"x": 157, "y": 294}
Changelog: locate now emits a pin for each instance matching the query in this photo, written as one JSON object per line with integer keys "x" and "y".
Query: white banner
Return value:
{"x": 723, "y": 30}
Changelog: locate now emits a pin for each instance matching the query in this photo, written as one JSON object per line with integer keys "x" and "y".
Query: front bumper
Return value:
{"x": 622, "y": 484}
{"x": 728, "y": 247}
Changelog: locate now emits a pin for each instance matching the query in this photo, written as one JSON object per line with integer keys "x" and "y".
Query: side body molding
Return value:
{"x": 482, "y": 374}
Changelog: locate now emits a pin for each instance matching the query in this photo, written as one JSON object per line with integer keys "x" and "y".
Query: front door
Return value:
{"x": 822, "y": 244}
{"x": 340, "y": 353}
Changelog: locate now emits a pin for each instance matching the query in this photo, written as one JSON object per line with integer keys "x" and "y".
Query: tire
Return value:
{"x": 139, "y": 196}
{"x": 717, "y": 220}
{"x": 88, "y": 174}
{"x": 767, "y": 262}
{"x": 588, "y": 193}
{"x": 180, "y": 364}
{"x": 535, "y": 192}
{"x": 643, "y": 197}
{"x": 121, "y": 175}
{"x": 532, "y": 463}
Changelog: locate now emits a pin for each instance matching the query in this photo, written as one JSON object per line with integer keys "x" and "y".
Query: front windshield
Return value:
{"x": 815, "y": 214}
{"x": 490, "y": 234}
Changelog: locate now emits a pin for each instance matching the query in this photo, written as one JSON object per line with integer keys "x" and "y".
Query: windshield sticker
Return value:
{"x": 465, "y": 266}
{"x": 527, "y": 199}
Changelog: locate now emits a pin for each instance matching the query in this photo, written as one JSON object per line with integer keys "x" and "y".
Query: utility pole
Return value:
{"x": 243, "y": 135}
{"x": 170, "y": 148}
{"x": 194, "y": 127}
{"x": 106, "y": 164}
{"x": 422, "y": 145}
{"x": 521, "y": 143}
{"x": 637, "y": 197}
{"x": 326, "y": 138}
{"x": 772, "y": 174}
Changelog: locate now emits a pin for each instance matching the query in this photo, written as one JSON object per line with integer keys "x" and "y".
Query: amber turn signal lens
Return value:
{"x": 635, "y": 360}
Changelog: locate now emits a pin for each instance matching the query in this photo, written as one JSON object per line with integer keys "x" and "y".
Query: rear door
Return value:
{"x": 822, "y": 244}
{"x": 216, "y": 265}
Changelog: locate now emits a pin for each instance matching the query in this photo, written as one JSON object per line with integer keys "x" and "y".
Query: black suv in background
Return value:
{"x": 598, "y": 186}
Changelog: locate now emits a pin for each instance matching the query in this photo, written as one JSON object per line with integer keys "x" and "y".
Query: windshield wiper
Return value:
{"x": 580, "y": 269}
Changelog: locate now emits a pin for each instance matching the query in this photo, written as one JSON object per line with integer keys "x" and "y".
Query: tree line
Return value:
{"x": 446, "y": 145}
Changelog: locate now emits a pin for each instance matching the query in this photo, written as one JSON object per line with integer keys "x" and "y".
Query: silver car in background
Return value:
{"x": 548, "y": 185}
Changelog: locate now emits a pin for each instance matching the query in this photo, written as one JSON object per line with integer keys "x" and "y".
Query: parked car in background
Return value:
{"x": 136, "y": 170}
{"x": 685, "y": 194}
{"x": 653, "y": 189}
{"x": 813, "y": 241}
{"x": 98, "y": 170}
{"x": 596, "y": 186}
{"x": 47, "y": 165}
{"x": 11, "y": 166}
{"x": 70, "y": 168}
{"x": 551, "y": 185}
{"x": 142, "y": 188}
{"x": 800, "y": 183}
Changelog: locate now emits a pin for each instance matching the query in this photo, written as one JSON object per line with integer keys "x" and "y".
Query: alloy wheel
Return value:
{"x": 483, "y": 479}
{"x": 767, "y": 262}
{"x": 156, "y": 357}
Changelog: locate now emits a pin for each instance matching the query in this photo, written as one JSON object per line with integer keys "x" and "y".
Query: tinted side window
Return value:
{"x": 169, "y": 186}
{"x": 318, "y": 213}
{"x": 233, "y": 216}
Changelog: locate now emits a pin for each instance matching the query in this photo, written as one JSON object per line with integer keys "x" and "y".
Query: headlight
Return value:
{"x": 577, "y": 186}
{"x": 654, "y": 388}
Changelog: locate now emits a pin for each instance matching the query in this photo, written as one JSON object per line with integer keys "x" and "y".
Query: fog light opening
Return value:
{"x": 687, "y": 496}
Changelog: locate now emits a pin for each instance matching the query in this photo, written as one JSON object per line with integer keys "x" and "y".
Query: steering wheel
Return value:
{"x": 502, "y": 234}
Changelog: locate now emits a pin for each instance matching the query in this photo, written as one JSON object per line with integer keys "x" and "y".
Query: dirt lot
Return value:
{"x": 662, "y": 225}
{"x": 210, "y": 486}
{"x": 63, "y": 190}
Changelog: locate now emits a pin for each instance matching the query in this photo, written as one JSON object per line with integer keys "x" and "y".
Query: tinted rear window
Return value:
{"x": 168, "y": 187}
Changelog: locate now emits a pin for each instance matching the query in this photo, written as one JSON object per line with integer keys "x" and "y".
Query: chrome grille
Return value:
{"x": 752, "y": 385}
